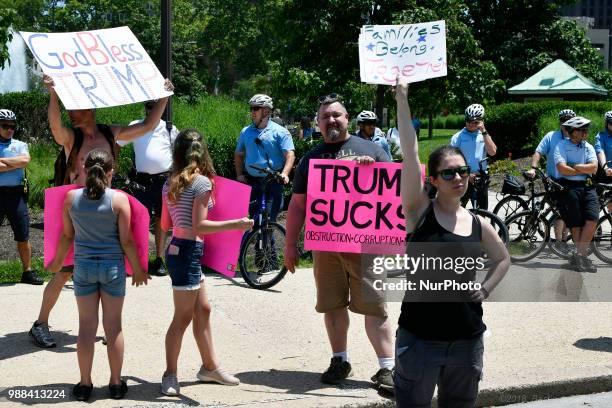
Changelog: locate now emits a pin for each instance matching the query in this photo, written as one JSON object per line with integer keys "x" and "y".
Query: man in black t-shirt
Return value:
{"x": 339, "y": 276}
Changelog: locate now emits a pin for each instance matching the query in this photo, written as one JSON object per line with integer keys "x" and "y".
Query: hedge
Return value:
{"x": 517, "y": 128}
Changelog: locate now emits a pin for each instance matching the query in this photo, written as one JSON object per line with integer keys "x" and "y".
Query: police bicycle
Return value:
{"x": 261, "y": 259}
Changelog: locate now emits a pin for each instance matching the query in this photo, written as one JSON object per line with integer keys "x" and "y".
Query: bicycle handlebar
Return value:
{"x": 275, "y": 174}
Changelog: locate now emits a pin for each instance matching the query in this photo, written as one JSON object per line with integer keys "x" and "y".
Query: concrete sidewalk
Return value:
{"x": 276, "y": 344}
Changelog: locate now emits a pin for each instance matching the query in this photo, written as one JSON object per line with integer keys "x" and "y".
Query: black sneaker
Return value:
{"x": 82, "y": 392}
{"x": 42, "y": 337}
{"x": 384, "y": 379}
{"x": 589, "y": 266}
{"x": 31, "y": 278}
{"x": 337, "y": 372}
{"x": 157, "y": 267}
{"x": 118, "y": 391}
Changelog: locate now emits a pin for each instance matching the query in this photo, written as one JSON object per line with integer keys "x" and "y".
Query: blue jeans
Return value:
{"x": 420, "y": 365}
{"x": 93, "y": 275}
{"x": 183, "y": 262}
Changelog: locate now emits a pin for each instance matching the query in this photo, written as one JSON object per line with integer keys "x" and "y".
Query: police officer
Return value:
{"x": 546, "y": 148}
{"x": 576, "y": 162}
{"x": 14, "y": 157}
{"x": 266, "y": 144}
{"x": 366, "y": 121}
{"x": 475, "y": 143}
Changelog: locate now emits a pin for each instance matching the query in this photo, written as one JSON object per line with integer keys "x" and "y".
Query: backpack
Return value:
{"x": 63, "y": 166}
{"x": 513, "y": 185}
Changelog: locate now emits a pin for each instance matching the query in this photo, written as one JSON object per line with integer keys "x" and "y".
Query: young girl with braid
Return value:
{"x": 97, "y": 219}
{"x": 188, "y": 195}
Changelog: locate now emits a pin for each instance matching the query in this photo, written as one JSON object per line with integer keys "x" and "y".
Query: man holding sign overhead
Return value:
{"x": 77, "y": 142}
{"x": 339, "y": 276}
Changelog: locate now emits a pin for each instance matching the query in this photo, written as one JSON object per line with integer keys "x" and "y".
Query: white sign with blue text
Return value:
{"x": 97, "y": 69}
{"x": 417, "y": 51}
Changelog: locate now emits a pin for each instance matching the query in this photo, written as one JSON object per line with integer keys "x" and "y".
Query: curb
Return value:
{"x": 525, "y": 393}
{"x": 543, "y": 391}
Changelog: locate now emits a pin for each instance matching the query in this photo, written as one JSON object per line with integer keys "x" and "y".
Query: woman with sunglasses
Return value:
{"x": 440, "y": 341}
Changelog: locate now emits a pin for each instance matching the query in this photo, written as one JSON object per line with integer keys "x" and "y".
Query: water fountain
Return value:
{"x": 14, "y": 77}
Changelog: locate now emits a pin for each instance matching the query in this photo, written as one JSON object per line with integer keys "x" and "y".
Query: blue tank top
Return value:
{"x": 96, "y": 233}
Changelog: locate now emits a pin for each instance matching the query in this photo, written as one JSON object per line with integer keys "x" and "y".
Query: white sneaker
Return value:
{"x": 219, "y": 376}
{"x": 170, "y": 385}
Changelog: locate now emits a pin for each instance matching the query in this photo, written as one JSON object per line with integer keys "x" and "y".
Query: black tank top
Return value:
{"x": 443, "y": 321}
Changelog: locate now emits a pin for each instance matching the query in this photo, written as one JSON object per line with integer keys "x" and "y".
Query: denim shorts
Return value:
{"x": 92, "y": 275}
{"x": 183, "y": 262}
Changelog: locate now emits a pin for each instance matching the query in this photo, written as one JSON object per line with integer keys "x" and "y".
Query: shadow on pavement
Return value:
{"x": 20, "y": 344}
{"x": 218, "y": 277}
{"x": 599, "y": 344}
{"x": 299, "y": 382}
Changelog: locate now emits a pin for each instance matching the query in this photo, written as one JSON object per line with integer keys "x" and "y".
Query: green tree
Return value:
{"x": 470, "y": 79}
{"x": 6, "y": 20}
{"x": 523, "y": 36}
{"x": 143, "y": 18}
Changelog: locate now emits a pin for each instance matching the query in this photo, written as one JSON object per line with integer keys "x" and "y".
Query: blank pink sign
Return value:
{"x": 54, "y": 201}
{"x": 354, "y": 208}
{"x": 221, "y": 249}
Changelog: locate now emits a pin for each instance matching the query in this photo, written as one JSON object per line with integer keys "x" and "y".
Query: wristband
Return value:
{"x": 485, "y": 292}
{"x": 485, "y": 133}
{"x": 535, "y": 167}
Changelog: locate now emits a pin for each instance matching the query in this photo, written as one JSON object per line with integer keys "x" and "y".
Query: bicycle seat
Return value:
{"x": 605, "y": 186}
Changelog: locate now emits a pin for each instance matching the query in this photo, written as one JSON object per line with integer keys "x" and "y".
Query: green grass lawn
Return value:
{"x": 10, "y": 271}
{"x": 441, "y": 137}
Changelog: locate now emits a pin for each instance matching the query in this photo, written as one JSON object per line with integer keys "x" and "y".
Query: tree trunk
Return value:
{"x": 380, "y": 100}
{"x": 430, "y": 125}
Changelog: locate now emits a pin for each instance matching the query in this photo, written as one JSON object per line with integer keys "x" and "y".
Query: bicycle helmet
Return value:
{"x": 6, "y": 114}
{"x": 566, "y": 114}
{"x": 608, "y": 117}
{"x": 475, "y": 112}
{"x": 366, "y": 117}
{"x": 577, "y": 122}
{"x": 261, "y": 100}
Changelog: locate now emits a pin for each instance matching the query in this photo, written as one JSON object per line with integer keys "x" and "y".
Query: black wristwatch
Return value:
{"x": 485, "y": 133}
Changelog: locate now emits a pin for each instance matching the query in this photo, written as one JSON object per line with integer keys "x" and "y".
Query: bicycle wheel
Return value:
{"x": 495, "y": 221}
{"x": 261, "y": 257}
{"x": 563, "y": 249}
{"x": 602, "y": 240}
{"x": 528, "y": 235}
{"x": 510, "y": 205}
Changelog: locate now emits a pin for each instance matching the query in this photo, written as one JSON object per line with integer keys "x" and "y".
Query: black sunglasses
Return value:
{"x": 329, "y": 98}
{"x": 449, "y": 174}
{"x": 7, "y": 127}
{"x": 255, "y": 108}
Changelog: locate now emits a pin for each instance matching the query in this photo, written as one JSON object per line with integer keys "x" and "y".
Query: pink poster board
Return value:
{"x": 221, "y": 249}
{"x": 54, "y": 201}
{"x": 354, "y": 208}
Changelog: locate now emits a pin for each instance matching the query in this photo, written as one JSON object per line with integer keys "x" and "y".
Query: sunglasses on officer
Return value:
{"x": 7, "y": 126}
{"x": 449, "y": 174}
{"x": 255, "y": 108}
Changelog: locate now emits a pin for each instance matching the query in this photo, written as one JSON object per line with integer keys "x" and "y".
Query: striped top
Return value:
{"x": 181, "y": 211}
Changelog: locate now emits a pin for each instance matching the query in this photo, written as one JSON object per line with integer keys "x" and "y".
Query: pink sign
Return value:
{"x": 354, "y": 208}
{"x": 54, "y": 201}
{"x": 221, "y": 249}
